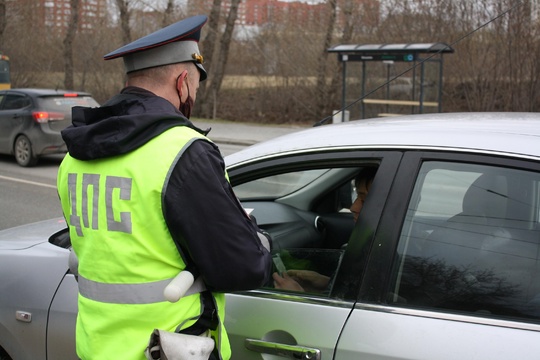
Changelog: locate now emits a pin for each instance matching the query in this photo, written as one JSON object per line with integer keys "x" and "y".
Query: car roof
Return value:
{"x": 44, "y": 92}
{"x": 502, "y": 133}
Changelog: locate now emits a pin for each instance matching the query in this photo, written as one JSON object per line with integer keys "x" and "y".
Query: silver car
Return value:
{"x": 443, "y": 262}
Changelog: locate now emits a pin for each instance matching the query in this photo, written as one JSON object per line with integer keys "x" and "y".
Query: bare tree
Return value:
{"x": 2, "y": 20}
{"x": 283, "y": 74}
{"x": 167, "y": 15}
{"x": 68, "y": 45}
{"x": 359, "y": 23}
{"x": 209, "y": 49}
{"x": 102, "y": 78}
{"x": 214, "y": 85}
{"x": 123, "y": 9}
{"x": 36, "y": 55}
{"x": 322, "y": 86}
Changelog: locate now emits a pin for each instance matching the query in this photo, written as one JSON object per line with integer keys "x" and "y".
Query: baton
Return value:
{"x": 178, "y": 286}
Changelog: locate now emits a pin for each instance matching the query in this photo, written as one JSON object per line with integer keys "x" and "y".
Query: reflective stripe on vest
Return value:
{"x": 146, "y": 293}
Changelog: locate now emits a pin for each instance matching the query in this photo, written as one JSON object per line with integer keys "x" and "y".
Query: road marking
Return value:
{"x": 27, "y": 182}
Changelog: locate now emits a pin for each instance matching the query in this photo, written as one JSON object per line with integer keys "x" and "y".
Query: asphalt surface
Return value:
{"x": 243, "y": 134}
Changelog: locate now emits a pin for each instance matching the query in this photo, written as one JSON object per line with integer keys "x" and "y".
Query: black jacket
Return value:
{"x": 210, "y": 228}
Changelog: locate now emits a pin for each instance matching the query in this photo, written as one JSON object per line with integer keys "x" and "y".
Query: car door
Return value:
{"x": 314, "y": 191}
{"x": 3, "y": 126}
{"x": 454, "y": 268}
{"x": 62, "y": 320}
{"x": 12, "y": 119}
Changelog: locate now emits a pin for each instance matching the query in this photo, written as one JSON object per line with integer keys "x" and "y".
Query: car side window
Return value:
{"x": 471, "y": 242}
{"x": 15, "y": 101}
{"x": 307, "y": 214}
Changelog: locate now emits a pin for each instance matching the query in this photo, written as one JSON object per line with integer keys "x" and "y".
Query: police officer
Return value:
{"x": 146, "y": 195}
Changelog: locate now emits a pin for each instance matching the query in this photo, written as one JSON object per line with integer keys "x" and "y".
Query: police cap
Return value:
{"x": 173, "y": 44}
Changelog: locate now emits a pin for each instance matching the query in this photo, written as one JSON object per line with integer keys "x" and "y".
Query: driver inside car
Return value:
{"x": 312, "y": 281}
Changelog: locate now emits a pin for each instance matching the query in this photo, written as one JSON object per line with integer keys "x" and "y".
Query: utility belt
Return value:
{"x": 192, "y": 343}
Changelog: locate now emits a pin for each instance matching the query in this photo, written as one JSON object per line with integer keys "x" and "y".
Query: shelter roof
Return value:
{"x": 438, "y": 47}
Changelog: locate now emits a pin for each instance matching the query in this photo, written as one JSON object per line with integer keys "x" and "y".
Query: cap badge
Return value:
{"x": 197, "y": 57}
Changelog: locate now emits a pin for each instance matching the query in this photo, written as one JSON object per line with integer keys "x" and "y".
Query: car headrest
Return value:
{"x": 487, "y": 196}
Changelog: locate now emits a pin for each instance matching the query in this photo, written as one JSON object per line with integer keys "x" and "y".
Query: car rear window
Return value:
{"x": 64, "y": 104}
{"x": 471, "y": 242}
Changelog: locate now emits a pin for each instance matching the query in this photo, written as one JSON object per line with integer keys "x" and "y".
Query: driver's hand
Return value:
{"x": 285, "y": 282}
{"x": 309, "y": 280}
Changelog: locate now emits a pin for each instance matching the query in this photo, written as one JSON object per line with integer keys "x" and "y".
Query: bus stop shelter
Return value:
{"x": 407, "y": 77}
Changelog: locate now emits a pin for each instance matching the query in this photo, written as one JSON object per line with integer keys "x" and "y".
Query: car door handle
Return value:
{"x": 283, "y": 350}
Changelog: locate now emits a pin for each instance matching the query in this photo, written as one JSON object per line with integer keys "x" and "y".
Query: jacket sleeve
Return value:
{"x": 207, "y": 221}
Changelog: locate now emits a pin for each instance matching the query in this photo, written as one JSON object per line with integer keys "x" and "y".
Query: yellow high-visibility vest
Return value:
{"x": 114, "y": 209}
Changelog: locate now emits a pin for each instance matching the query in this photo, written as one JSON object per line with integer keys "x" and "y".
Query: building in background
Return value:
{"x": 257, "y": 13}
{"x": 261, "y": 12}
{"x": 55, "y": 15}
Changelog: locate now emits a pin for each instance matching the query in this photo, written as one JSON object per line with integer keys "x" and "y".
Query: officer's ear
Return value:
{"x": 180, "y": 81}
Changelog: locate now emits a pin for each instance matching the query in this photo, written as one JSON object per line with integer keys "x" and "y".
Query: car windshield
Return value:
{"x": 63, "y": 104}
{"x": 277, "y": 186}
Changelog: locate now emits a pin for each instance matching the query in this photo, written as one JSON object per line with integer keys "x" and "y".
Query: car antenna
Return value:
{"x": 326, "y": 119}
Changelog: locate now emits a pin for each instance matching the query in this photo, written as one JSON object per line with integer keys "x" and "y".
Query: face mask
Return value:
{"x": 185, "y": 108}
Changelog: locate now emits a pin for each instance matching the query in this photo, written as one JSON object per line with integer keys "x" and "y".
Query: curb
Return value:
{"x": 234, "y": 141}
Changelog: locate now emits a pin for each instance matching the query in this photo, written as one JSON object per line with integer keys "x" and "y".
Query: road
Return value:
{"x": 29, "y": 194}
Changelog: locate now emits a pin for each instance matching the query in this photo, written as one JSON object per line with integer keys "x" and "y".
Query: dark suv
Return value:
{"x": 31, "y": 121}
